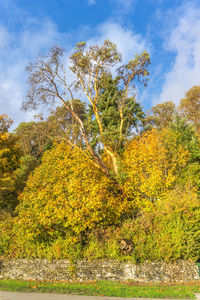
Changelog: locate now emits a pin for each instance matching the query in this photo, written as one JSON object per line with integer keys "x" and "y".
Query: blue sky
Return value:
{"x": 168, "y": 29}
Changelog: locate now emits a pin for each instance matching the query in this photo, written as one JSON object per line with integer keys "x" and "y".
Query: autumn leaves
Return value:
{"x": 97, "y": 172}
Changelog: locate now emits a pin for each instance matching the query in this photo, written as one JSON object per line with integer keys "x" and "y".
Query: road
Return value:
{"x": 35, "y": 296}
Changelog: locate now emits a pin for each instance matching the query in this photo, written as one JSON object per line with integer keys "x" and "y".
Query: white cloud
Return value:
{"x": 124, "y": 6}
{"x": 184, "y": 40}
{"x": 128, "y": 42}
{"x": 16, "y": 51}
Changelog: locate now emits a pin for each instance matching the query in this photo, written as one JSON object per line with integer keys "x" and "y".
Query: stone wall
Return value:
{"x": 42, "y": 269}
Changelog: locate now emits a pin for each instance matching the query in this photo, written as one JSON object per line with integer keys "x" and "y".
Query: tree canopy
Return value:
{"x": 92, "y": 68}
{"x": 190, "y": 106}
{"x": 9, "y": 162}
{"x": 96, "y": 177}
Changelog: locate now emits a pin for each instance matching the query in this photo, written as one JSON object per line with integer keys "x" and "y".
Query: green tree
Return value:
{"x": 183, "y": 134}
{"x": 108, "y": 108}
{"x": 48, "y": 84}
{"x": 167, "y": 233}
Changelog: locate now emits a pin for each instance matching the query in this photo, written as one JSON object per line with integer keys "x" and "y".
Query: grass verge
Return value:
{"x": 103, "y": 288}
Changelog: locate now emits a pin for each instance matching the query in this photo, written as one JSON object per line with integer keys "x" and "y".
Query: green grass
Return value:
{"x": 103, "y": 288}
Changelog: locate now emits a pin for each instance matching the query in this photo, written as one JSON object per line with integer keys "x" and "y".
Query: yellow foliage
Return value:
{"x": 151, "y": 168}
{"x": 9, "y": 162}
{"x": 67, "y": 196}
{"x": 178, "y": 200}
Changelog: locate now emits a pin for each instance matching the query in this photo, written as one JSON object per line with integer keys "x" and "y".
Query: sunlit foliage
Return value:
{"x": 66, "y": 198}
{"x": 97, "y": 179}
{"x": 151, "y": 168}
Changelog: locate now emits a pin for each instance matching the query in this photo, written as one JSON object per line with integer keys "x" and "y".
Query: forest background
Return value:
{"x": 97, "y": 178}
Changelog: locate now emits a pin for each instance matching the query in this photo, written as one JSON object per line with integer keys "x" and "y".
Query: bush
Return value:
{"x": 170, "y": 232}
{"x": 66, "y": 198}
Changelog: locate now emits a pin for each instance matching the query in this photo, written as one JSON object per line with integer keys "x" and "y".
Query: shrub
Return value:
{"x": 66, "y": 198}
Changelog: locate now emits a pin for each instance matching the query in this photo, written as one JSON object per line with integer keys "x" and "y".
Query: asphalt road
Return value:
{"x": 43, "y": 296}
{"x": 35, "y": 296}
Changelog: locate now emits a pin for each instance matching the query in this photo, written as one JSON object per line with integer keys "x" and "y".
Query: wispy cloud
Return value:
{"x": 119, "y": 6}
{"x": 184, "y": 41}
{"x": 128, "y": 42}
{"x": 16, "y": 51}
{"x": 124, "y": 6}
{"x": 91, "y": 2}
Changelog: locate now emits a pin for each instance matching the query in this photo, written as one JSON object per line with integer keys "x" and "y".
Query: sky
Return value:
{"x": 168, "y": 29}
